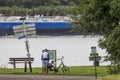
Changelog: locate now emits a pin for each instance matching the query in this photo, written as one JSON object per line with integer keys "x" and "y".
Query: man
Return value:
{"x": 45, "y": 57}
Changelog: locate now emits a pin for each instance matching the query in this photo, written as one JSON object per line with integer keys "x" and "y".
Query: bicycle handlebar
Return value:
{"x": 61, "y": 58}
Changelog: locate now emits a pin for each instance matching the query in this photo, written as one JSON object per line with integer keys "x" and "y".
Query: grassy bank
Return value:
{"x": 74, "y": 70}
{"x": 110, "y": 77}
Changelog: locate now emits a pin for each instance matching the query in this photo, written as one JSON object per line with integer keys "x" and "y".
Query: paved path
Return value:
{"x": 44, "y": 77}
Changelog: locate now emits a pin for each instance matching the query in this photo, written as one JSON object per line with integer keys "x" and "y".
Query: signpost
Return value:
{"x": 94, "y": 57}
{"x": 23, "y": 31}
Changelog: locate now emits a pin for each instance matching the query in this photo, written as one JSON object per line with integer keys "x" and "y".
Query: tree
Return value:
{"x": 101, "y": 17}
{"x": 112, "y": 44}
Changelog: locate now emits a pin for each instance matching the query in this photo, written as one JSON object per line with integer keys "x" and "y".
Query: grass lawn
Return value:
{"x": 110, "y": 77}
{"x": 74, "y": 70}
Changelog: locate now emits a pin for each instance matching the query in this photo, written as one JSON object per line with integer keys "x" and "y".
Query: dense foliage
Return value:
{"x": 37, "y": 3}
{"x": 33, "y": 7}
{"x": 102, "y": 17}
{"x": 43, "y": 10}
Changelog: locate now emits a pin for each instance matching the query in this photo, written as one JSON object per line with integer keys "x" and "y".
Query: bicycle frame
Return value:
{"x": 65, "y": 69}
{"x": 61, "y": 64}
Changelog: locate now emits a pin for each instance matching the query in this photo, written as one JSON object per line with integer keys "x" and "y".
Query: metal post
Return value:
{"x": 95, "y": 68}
{"x": 55, "y": 62}
{"x": 26, "y": 42}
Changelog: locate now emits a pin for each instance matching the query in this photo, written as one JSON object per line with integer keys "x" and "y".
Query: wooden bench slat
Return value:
{"x": 20, "y": 59}
{"x": 19, "y": 62}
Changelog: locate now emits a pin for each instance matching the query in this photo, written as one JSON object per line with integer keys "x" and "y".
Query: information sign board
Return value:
{"x": 95, "y": 58}
{"x": 52, "y": 54}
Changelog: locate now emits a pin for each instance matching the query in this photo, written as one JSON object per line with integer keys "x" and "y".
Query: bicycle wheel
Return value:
{"x": 65, "y": 70}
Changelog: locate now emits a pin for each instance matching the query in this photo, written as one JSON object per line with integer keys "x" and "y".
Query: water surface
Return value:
{"x": 75, "y": 49}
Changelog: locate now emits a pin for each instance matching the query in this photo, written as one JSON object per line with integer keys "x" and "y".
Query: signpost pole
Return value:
{"x": 94, "y": 57}
{"x": 95, "y": 68}
{"x": 26, "y": 42}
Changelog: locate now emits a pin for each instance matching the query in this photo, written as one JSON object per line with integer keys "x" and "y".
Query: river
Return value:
{"x": 75, "y": 49}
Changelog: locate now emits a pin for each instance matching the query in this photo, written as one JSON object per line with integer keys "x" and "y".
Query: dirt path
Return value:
{"x": 44, "y": 77}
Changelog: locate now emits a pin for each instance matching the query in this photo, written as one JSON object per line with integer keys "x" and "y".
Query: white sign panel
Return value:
{"x": 30, "y": 29}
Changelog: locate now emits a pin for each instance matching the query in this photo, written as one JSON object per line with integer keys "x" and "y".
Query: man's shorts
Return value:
{"x": 45, "y": 63}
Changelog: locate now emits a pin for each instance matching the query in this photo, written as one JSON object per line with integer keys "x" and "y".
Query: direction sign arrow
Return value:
{"x": 21, "y": 37}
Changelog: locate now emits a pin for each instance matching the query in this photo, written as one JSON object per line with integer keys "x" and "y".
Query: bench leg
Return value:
{"x": 30, "y": 66}
{"x": 14, "y": 64}
{"x": 25, "y": 66}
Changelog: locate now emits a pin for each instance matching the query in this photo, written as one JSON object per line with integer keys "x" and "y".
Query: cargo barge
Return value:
{"x": 45, "y": 27}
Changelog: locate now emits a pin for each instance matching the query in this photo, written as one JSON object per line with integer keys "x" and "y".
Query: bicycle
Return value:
{"x": 64, "y": 68}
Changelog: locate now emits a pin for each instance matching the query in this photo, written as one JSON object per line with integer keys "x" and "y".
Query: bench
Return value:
{"x": 19, "y": 60}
